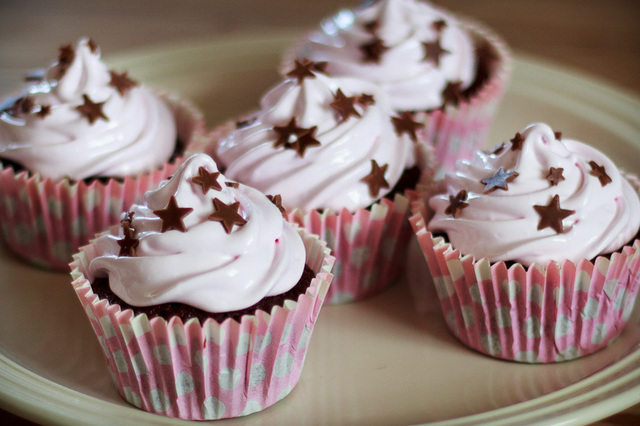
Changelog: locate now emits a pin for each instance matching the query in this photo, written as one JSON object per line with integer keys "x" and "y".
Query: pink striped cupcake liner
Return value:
{"x": 539, "y": 314}
{"x": 369, "y": 246}
{"x": 207, "y": 371}
{"x": 46, "y": 221}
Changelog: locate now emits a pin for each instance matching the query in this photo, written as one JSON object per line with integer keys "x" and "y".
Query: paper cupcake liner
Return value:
{"x": 369, "y": 246}
{"x": 46, "y": 221}
{"x": 455, "y": 131}
{"x": 213, "y": 370}
{"x": 536, "y": 314}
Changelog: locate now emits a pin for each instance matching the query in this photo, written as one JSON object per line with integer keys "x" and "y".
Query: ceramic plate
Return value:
{"x": 380, "y": 361}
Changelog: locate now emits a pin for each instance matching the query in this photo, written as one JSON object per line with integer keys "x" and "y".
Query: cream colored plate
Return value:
{"x": 373, "y": 362}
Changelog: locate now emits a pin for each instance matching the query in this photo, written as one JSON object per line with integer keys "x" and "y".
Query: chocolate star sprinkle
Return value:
{"x": 405, "y": 124}
{"x": 555, "y": 176}
{"x": 373, "y": 50}
{"x": 306, "y": 140}
{"x": 302, "y": 70}
{"x": 44, "y": 111}
{"x": 344, "y": 105}
{"x": 371, "y": 26}
{"x": 277, "y": 201}
{"x": 129, "y": 243}
{"x": 452, "y": 93}
{"x": 232, "y": 184}
{"x": 457, "y": 203}
{"x": 288, "y": 134}
{"x": 551, "y": 215}
{"x": 121, "y": 82}
{"x": 599, "y": 172}
{"x": 497, "y": 150}
{"x": 498, "y": 181}
{"x": 227, "y": 214}
{"x": 375, "y": 179}
{"x": 66, "y": 55}
{"x": 91, "y": 110}
{"x": 207, "y": 180}
{"x": 365, "y": 100}
{"x": 438, "y": 25}
{"x": 433, "y": 51}
{"x": 93, "y": 46}
{"x": 172, "y": 216}
{"x": 558, "y": 135}
{"x": 516, "y": 142}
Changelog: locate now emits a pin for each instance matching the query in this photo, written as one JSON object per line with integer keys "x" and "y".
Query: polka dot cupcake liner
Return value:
{"x": 213, "y": 370}
{"x": 457, "y": 132}
{"x": 369, "y": 246}
{"x": 537, "y": 314}
{"x": 46, "y": 221}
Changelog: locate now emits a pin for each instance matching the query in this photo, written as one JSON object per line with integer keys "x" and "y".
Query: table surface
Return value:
{"x": 591, "y": 37}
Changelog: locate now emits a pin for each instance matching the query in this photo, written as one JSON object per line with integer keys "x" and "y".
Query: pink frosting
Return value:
{"x": 503, "y": 224}
{"x": 330, "y": 174}
{"x": 138, "y": 134}
{"x": 412, "y": 82}
{"x": 205, "y": 266}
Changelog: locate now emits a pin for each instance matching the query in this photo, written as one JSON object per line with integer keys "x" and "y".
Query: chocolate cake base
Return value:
{"x": 185, "y": 312}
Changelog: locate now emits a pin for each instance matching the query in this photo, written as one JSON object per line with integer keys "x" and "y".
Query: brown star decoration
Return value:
{"x": 231, "y": 184}
{"x": 227, "y": 214}
{"x": 498, "y": 181}
{"x": 365, "y": 99}
{"x": 516, "y": 142}
{"x": 555, "y": 176}
{"x": 371, "y": 26}
{"x": 129, "y": 243}
{"x": 373, "y": 50}
{"x": 121, "y": 82}
{"x": 44, "y": 111}
{"x": 306, "y": 140}
{"x": 599, "y": 172}
{"x": 301, "y": 70}
{"x": 288, "y": 134}
{"x": 452, "y": 93}
{"x": 91, "y": 110}
{"x": 439, "y": 25}
{"x": 207, "y": 180}
{"x": 277, "y": 201}
{"x": 551, "y": 215}
{"x": 93, "y": 46}
{"x": 558, "y": 135}
{"x": 498, "y": 149}
{"x": 405, "y": 124}
{"x": 65, "y": 57}
{"x": 457, "y": 203}
{"x": 375, "y": 179}
{"x": 433, "y": 51}
{"x": 172, "y": 216}
{"x": 344, "y": 105}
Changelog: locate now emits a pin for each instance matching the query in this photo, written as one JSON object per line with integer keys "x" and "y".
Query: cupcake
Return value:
{"x": 533, "y": 248}
{"x": 204, "y": 298}
{"x": 448, "y": 74}
{"x": 80, "y": 144}
{"x": 341, "y": 161}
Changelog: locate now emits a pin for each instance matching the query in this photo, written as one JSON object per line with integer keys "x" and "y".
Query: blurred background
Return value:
{"x": 596, "y": 38}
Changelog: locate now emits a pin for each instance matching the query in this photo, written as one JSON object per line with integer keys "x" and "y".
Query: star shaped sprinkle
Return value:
{"x": 433, "y": 51}
{"x": 301, "y": 70}
{"x": 375, "y": 179}
{"x": 277, "y": 201}
{"x": 551, "y": 215}
{"x": 306, "y": 140}
{"x": 365, "y": 99}
{"x": 555, "y": 176}
{"x": 231, "y": 184}
{"x": 44, "y": 111}
{"x": 558, "y": 135}
{"x": 172, "y": 216}
{"x": 457, "y": 203}
{"x": 93, "y": 46}
{"x": 452, "y": 93}
{"x": 207, "y": 180}
{"x": 344, "y": 105}
{"x": 373, "y": 50}
{"x": 129, "y": 243}
{"x": 288, "y": 134}
{"x": 121, "y": 82}
{"x": 405, "y": 124}
{"x": 599, "y": 172}
{"x": 498, "y": 149}
{"x": 498, "y": 181}
{"x": 516, "y": 142}
{"x": 438, "y": 25}
{"x": 371, "y": 26}
{"x": 227, "y": 214}
{"x": 91, "y": 110}
{"x": 66, "y": 54}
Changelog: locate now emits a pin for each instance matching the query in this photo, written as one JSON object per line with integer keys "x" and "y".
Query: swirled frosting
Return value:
{"x": 536, "y": 199}
{"x": 409, "y": 47}
{"x": 215, "y": 265}
{"x": 82, "y": 120}
{"x": 330, "y": 171}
